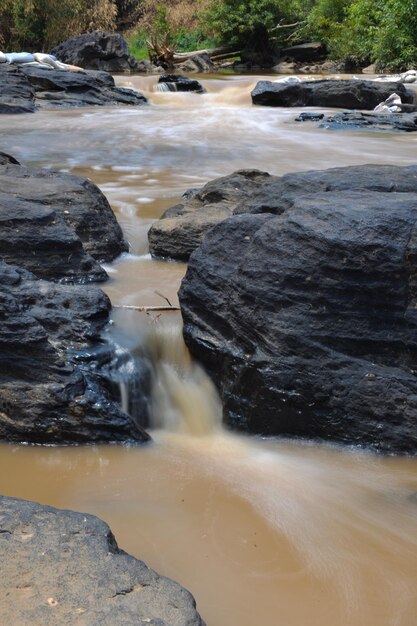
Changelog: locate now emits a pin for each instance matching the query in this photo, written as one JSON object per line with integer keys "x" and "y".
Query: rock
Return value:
{"x": 354, "y": 120}
{"x": 16, "y": 93}
{"x": 97, "y": 51}
{"x": 285, "y": 67}
{"x": 309, "y": 117}
{"x": 56, "y": 225}
{"x": 305, "y": 52}
{"x": 350, "y": 94}
{"x": 62, "y": 567}
{"x": 50, "y": 388}
{"x": 371, "y": 121}
{"x": 55, "y": 88}
{"x": 24, "y": 88}
{"x": 197, "y": 63}
{"x": 370, "y": 69}
{"x": 175, "y": 82}
{"x": 182, "y": 227}
{"x": 303, "y": 308}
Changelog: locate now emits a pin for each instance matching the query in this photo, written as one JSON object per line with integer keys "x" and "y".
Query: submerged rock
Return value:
{"x": 62, "y": 567}
{"x": 56, "y": 225}
{"x": 303, "y": 307}
{"x": 50, "y": 388}
{"x": 24, "y": 88}
{"x": 182, "y": 227}
{"x": 371, "y": 121}
{"x": 99, "y": 50}
{"x": 349, "y": 94}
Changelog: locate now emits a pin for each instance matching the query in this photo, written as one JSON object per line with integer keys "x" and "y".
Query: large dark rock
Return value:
{"x": 50, "y": 389}
{"x": 61, "y": 567}
{"x": 24, "y": 88}
{"x": 56, "y": 225}
{"x": 303, "y": 307}
{"x": 97, "y": 51}
{"x": 176, "y": 82}
{"x": 182, "y": 227}
{"x": 16, "y": 93}
{"x": 347, "y": 94}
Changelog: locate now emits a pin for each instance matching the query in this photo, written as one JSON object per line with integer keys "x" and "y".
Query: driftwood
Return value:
{"x": 145, "y": 309}
{"x": 224, "y": 51}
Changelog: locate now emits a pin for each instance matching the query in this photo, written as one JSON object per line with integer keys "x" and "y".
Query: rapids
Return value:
{"x": 260, "y": 531}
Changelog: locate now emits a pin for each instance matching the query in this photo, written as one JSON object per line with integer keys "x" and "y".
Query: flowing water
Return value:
{"x": 261, "y": 531}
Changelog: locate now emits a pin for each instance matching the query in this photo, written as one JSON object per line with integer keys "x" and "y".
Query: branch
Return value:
{"x": 146, "y": 308}
{"x": 281, "y": 26}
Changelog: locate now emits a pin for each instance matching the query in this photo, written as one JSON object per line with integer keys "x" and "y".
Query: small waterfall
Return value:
{"x": 181, "y": 396}
{"x": 184, "y": 399}
{"x": 166, "y": 87}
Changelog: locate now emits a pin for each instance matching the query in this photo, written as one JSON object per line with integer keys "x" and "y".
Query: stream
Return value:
{"x": 261, "y": 531}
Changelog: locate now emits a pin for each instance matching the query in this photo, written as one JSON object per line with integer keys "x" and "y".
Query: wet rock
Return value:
{"x": 354, "y": 120}
{"x": 349, "y": 94}
{"x": 303, "y": 307}
{"x": 182, "y": 227}
{"x": 62, "y": 567}
{"x": 51, "y": 390}
{"x": 16, "y": 93}
{"x": 56, "y": 225}
{"x": 98, "y": 51}
{"x": 175, "y": 82}
{"x": 24, "y": 88}
{"x": 372, "y": 121}
{"x": 305, "y": 52}
{"x": 309, "y": 117}
{"x": 56, "y": 88}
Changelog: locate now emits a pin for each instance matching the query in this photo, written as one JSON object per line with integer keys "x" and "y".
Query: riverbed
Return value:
{"x": 260, "y": 531}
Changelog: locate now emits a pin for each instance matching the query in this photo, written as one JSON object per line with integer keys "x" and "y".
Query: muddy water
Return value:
{"x": 264, "y": 532}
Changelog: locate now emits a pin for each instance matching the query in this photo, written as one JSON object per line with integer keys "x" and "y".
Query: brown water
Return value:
{"x": 267, "y": 532}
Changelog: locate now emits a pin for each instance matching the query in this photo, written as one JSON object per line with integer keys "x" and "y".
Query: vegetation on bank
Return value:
{"x": 358, "y": 32}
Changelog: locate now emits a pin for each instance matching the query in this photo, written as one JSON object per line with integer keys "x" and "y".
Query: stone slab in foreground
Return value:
{"x": 303, "y": 307}
{"x": 61, "y": 567}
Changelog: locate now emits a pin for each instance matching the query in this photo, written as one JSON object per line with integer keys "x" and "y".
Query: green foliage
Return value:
{"x": 137, "y": 45}
{"x": 367, "y": 31}
{"x": 40, "y": 24}
{"x": 242, "y": 22}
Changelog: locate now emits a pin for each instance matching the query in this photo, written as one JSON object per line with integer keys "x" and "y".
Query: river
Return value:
{"x": 260, "y": 531}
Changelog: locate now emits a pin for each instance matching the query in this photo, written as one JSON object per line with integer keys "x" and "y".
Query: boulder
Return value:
{"x": 58, "y": 88}
{"x": 62, "y": 567}
{"x": 16, "y": 93}
{"x": 56, "y": 225}
{"x": 175, "y": 82}
{"x": 302, "y": 306}
{"x": 51, "y": 390}
{"x": 25, "y": 88}
{"x": 305, "y": 52}
{"x": 349, "y": 94}
{"x": 182, "y": 227}
{"x": 97, "y": 51}
{"x": 197, "y": 63}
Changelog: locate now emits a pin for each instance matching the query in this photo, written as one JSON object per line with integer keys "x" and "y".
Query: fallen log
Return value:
{"x": 145, "y": 309}
{"x": 211, "y": 52}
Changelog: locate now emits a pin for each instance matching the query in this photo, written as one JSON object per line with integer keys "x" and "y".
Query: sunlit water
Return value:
{"x": 262, "y": 532}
